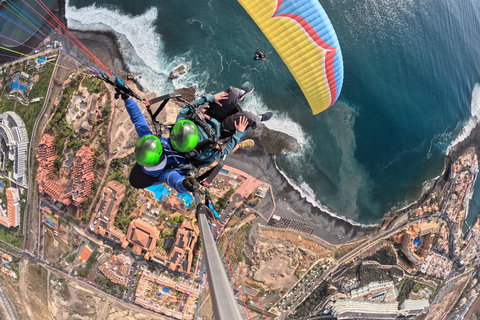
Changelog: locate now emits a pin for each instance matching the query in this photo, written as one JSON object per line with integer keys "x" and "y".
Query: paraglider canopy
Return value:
{"x": 304, "y": 38}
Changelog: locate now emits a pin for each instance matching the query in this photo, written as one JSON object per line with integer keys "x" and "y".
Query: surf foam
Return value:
{"x": 474, "y": 120}
{"x": 141, "y": 46}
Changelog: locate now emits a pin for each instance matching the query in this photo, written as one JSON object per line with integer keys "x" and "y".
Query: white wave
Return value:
{"x": 141, "y": 46}
{"x": 308, "y": 194}
{"x": 474, "y": 120}
{"x": 279, "y": 122}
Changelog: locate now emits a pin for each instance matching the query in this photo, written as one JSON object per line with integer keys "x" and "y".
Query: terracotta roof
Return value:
{"x": 141, "y": 237}
{"x": 86, "y": 252}
{"x": 137, "y": 249}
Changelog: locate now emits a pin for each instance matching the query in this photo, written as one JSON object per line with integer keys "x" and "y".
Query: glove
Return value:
{"x": 190, "y": 184}
{"x": 122, "y": 94}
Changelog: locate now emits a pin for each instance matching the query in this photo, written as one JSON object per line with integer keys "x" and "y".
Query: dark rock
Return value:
{"x": 274, "y": 142}
{"x": 177, "y": 72}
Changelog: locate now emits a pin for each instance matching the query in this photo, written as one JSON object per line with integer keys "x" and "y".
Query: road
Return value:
{"x": 29, "y": 215}
{"x": 340, "y": 262}
{"x": 7, "y": 306}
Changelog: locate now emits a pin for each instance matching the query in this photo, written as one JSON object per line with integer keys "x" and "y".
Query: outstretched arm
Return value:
{"x": 174, "y": 179}
{"x": 137, "y": 118}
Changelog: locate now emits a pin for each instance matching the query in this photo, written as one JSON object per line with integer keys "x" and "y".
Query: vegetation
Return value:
{"x": 238, "y": 243}
{"x": 308, "y": 307}
{"x": 93, "y": 85}
{"x": 83, "y": 273}
{"x": 107, "y": 285}
{"x": 385, "y": 256}
{"x": 91, "y": 260}
{"x": 405, "y": 289}
{"x": 14, "y": 236}
{"x": 71, "y": 258}
{"x": 222, "y": 202}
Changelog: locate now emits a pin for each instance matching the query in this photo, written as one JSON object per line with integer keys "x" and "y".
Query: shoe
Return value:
{"x": 246, "y": 90}
{"x": 266, "y": 116}
{"x": 246, "y": 144}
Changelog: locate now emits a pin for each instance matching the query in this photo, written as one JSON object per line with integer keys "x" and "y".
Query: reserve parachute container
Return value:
{"x": 303, "y": 36}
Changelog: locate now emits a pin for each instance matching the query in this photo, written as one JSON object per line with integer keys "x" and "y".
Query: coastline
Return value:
{"x": 259, "y": 163}
{"x": 256, "y": 161}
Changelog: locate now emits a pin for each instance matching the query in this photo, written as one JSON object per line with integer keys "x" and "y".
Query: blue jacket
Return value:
{"x": 172, "y": 177}
{"x": 209, "y": 155}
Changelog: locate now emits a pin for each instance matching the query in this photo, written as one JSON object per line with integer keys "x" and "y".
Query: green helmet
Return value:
{"x": 148, "y": 151}
{"x": 184, "y": 136}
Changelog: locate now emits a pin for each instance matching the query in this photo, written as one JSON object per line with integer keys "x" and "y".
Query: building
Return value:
{"x": 181, "y": 256}
{"x": 413, "y": 307}
{"x": 142, "y": 235}
{"x": 117, "y": 268}
{"x": 82, "y": 175}
{"x": 14, "y": 134}
{"x": 11, "y": 216}
{"x": 46, "y": 154}
{"x": 149, "y": 295}
{"x": 353, "y": 309}
{"x": 76, "y": 190}
{"x": 419, "y": 238}
{"x": 102, "y": 221}
{"x": 84, "y": 255}
{"x": 18, "y": 87}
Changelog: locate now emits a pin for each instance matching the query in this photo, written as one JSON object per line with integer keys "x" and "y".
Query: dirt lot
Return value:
{"x": 55, "y": 247}
{"x": 276, "y": 259}
{"x": 438, "y": 311}
{"x": 42, "y": 293}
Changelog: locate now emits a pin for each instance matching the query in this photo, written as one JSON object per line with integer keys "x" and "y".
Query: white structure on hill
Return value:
{"x": 14, "y": 134}
{"x": 353, "y": 309}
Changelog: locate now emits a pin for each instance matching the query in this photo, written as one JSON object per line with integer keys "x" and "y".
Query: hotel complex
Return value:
{"x": 73, "y": 191}
{"x": 142, "y": 232}
{"x": 418, "y": 240}
{"x": 14, "y": 134}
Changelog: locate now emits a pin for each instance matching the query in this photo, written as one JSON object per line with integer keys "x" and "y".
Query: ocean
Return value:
{"x": 410, "y": 66}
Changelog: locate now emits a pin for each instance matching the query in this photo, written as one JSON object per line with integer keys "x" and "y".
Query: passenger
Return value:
{"x": 221, "y": 129}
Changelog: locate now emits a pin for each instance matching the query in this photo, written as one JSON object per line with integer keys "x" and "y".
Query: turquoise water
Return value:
{"x": 158, "y": 190}
{"x": 187, "y": 197}
{"x": 410, "y": 69}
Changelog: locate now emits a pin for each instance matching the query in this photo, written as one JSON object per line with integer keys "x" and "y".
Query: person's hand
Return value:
{"x": 220, "y": 96}
{"x": 242, "y": 124}
{"x": 190, "y": 184}
{"x": 122, "y": 94}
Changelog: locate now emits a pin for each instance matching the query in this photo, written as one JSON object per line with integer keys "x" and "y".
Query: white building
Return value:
{"x": 14, "y": 134}
{"x": 347, "y": 309}
{"x": 413, "y": 307}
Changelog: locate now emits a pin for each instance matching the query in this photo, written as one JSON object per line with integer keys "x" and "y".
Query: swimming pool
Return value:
{"x": 187, "y": 197}
{"x": 158, "y": 190}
